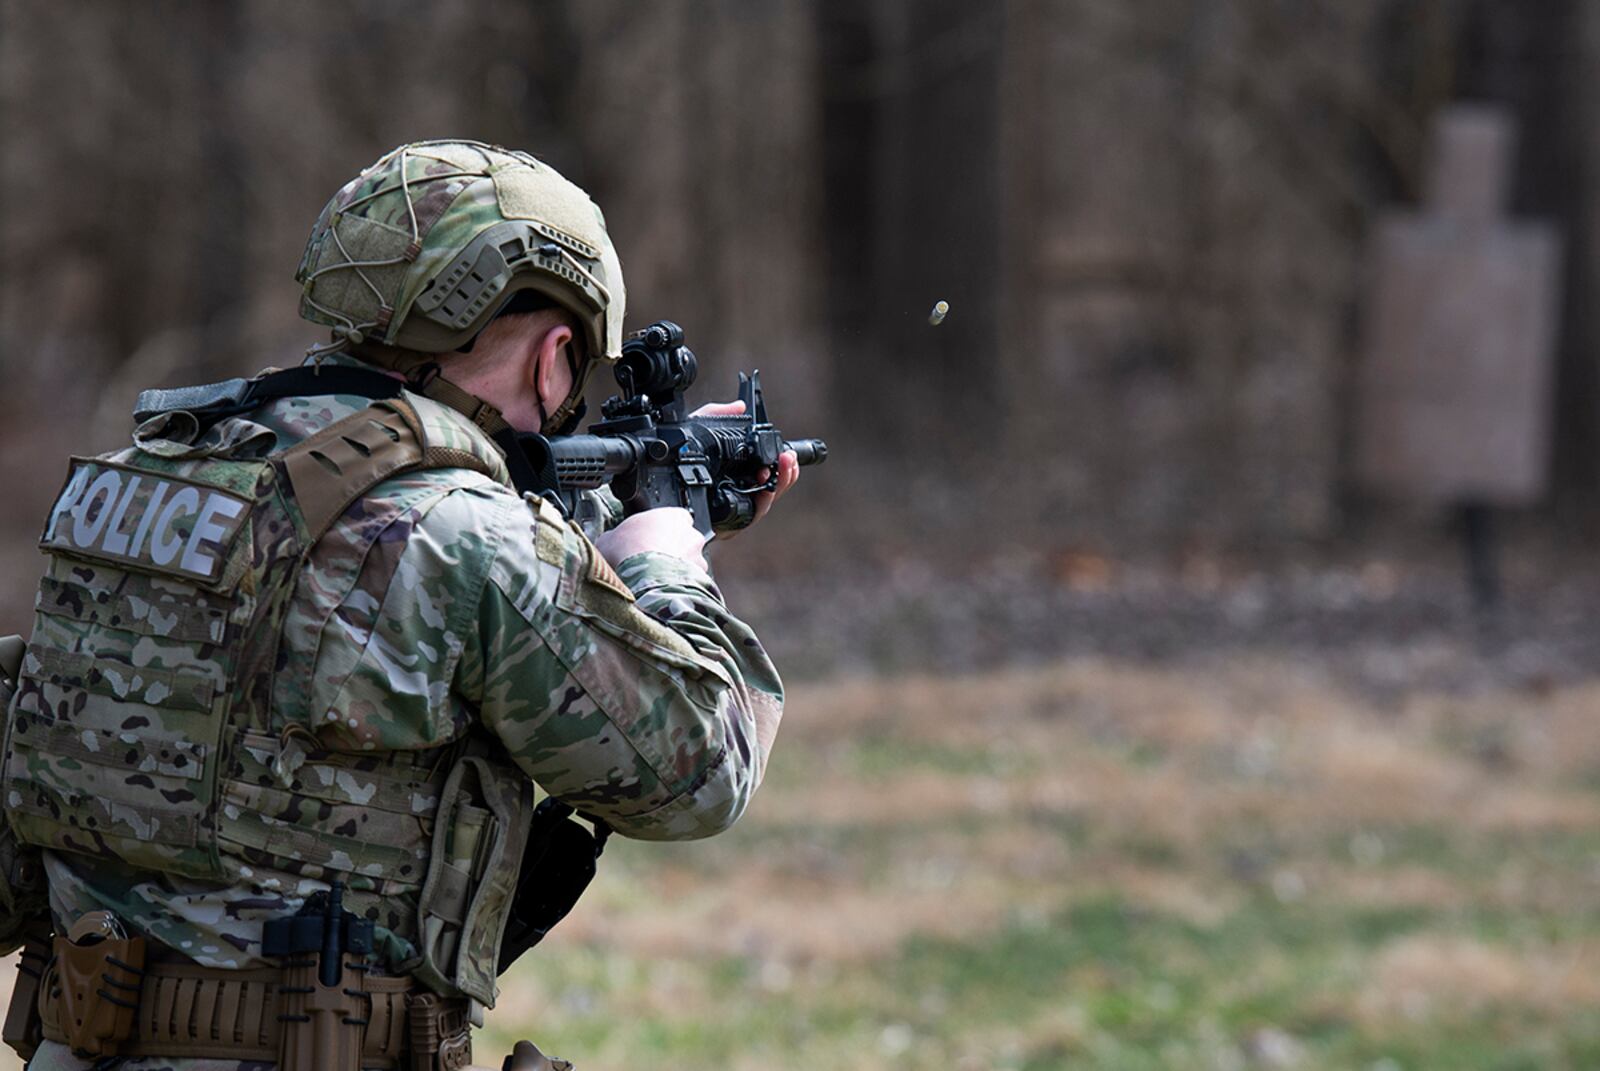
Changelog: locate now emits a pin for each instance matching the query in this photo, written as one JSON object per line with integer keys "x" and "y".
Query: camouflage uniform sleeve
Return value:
{"x": 607, "y": 506}
{"x": 653, "y": 708}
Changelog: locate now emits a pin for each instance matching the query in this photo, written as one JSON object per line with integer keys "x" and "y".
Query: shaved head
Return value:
{"x": 502, "y": 338}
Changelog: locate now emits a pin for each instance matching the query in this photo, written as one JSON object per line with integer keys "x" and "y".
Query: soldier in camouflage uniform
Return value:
{"x": 292, "y": 643}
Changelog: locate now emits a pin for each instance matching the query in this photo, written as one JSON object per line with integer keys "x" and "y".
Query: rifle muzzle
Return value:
{"x": 808, "y": 451}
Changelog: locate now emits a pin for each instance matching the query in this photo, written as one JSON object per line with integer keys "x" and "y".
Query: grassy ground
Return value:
{"x": 1098, "y": 864}
{"x": 1101, "y": 865}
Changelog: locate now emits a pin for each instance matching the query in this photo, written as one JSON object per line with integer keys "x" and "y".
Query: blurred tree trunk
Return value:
{"x": 700, "y": 131}
{"x": 1541, "y": 60}
{"x": 1184, "y": 196}
{"x": 910, "y": 163}
{"x": 938, "y": 232}
{"x": 224, "y": 242}
{"x": 849, "y": 155}
{"x": 1578, "y": 394}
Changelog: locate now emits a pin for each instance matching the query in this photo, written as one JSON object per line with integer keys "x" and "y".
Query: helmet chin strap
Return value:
{"x": 564, "y": 420}
{"x": 424, "y": 375}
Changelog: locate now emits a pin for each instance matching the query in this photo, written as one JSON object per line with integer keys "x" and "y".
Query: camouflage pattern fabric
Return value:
{"x": 440, "y": 608}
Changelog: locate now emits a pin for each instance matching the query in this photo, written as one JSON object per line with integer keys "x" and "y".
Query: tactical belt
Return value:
{"x": 280, "y": 1016}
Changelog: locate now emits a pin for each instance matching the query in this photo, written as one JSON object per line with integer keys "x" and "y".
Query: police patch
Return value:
{"x": 154, "y": 522}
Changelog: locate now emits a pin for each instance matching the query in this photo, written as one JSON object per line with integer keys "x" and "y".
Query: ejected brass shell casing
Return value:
{"x": 940, "y": 310}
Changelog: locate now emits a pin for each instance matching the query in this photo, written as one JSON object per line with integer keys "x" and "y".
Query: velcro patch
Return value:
{"x": 600, "y": 572}
{"x": 153, "y": 522}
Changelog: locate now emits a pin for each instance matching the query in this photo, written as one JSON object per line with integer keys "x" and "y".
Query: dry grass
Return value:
{"x": 928, "y": 812}
{"x": 1415, "y": 978}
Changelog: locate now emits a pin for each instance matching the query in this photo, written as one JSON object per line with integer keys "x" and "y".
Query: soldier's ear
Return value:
{"x": 553, "y": 374}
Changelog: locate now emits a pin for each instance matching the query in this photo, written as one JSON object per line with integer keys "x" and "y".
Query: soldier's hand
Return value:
{"x": 668, "y": 530}
{"x": 788, "y": 464}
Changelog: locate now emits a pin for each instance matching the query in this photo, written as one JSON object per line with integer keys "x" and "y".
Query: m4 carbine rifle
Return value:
{"x": 654, "y": 453}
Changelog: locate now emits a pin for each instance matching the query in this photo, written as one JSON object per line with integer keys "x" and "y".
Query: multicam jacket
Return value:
{"x": 441, "y": 614}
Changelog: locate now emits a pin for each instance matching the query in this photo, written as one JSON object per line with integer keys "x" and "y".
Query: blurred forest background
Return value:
{"x": 1127, "y": 730}
{"x": 1149, "y": 219}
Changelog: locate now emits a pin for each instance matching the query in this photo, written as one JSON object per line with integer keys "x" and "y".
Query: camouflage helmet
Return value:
{"x": 426, "y": 246}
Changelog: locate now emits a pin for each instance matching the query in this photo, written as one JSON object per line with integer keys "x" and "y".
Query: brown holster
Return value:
{"x": 93, "y": 989}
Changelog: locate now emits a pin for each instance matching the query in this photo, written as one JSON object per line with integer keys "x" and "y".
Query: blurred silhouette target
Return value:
{"x": 1456, "y": 377}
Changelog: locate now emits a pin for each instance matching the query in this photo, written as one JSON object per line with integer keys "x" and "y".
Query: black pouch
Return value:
{"x": 23, "y": 1029}
{"x": 557, "y": 866}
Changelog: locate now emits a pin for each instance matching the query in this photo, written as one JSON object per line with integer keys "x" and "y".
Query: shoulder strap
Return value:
{"x": 346, "y": 459}
{"x": 331, "y": 469}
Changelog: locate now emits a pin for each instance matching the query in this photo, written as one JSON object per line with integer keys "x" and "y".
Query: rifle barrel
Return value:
{"x": 584, "y": 462}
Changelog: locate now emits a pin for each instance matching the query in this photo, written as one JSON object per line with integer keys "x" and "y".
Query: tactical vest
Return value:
{"x": 145, "y": 727}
